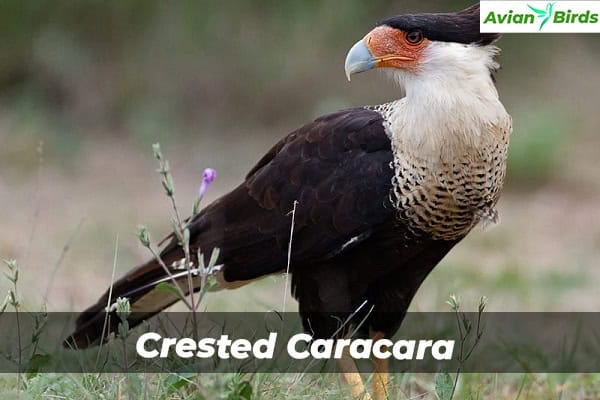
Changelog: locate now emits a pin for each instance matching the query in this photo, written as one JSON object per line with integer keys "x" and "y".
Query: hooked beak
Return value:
{"x": 383, "y": 47}
{"x": 359, "y": 59}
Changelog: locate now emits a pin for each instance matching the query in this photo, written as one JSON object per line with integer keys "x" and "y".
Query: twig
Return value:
{"x": 289, "y": 256}
{"x": 36, "y": 197}
{"x": 170, "y": 275}
{"x": 60, "y": 260}
{"x": 109, "y": 301}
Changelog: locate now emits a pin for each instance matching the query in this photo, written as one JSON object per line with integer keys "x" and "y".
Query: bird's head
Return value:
{"x": 439, "y": 44}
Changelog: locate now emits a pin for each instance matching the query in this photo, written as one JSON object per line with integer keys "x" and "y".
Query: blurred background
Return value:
{"x": 87, "y": 87}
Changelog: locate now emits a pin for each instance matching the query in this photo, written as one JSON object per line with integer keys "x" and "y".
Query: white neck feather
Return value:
{"x": 451, "y": 103}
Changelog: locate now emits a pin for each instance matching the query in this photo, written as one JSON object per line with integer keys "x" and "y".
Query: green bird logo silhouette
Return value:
{"x": 545, "y": 14}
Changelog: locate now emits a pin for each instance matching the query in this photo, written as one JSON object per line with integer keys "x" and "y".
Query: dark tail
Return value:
{"x": 139, "y": 286}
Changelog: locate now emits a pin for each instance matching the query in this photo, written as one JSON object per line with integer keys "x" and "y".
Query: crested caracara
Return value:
{"x": 383, "y": 192}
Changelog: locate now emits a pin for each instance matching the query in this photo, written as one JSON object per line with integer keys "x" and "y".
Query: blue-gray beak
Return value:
{"x": 359, "y": 59}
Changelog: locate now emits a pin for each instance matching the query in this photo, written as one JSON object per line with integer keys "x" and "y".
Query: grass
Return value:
{"x": 272, "y": 386}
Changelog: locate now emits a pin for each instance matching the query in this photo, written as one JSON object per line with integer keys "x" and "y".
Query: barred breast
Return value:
{"x": 447, "y": 199}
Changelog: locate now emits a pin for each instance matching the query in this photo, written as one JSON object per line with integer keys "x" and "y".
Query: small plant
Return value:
{"x": 445, "y": 388}
{"x": 13, "y": 277}
{"x": 37, "y": 360}
{"x": 123, "y": 311}
{"x": 182, "y": 234}
{"x": 27, "y": 357}
{"x": 196, "y": 268}
{"x": 13, "y": 300}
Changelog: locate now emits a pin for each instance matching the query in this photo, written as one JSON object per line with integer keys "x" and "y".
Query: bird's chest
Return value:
{"x": 446, "y": 200}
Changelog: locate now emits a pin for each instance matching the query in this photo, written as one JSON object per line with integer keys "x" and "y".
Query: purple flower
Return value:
{"x": 208, "y": 177}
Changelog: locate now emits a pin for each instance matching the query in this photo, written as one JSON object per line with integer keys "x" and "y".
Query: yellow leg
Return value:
{"x": 352, "y": 376}
{"x": 381, "y": 376}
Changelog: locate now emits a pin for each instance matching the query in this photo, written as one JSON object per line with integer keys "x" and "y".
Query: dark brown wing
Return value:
{"x": 338, "y": 171}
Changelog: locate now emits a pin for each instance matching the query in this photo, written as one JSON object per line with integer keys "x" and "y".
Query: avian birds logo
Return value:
{"x": 546, "y": 14}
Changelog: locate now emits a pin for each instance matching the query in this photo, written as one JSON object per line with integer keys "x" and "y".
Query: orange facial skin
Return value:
{"x": 391, "y": 49}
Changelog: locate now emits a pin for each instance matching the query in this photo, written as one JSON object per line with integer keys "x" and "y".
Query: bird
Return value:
{"x": 380, "y": 193}
{"x": 544, "y": 14}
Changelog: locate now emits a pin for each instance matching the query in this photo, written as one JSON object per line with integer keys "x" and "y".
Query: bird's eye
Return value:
{"x": 414, "y": 37}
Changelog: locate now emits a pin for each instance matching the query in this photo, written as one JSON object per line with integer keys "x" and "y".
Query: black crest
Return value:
{"x": 458, "y": 27}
